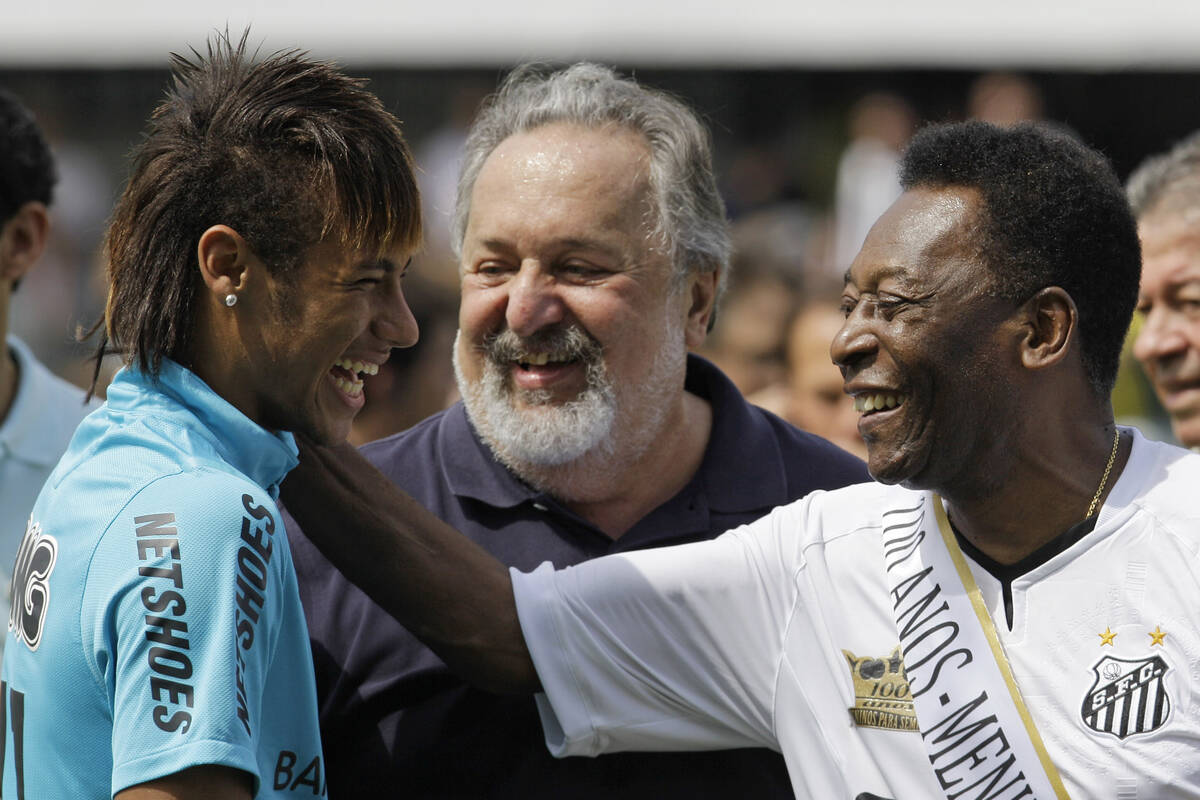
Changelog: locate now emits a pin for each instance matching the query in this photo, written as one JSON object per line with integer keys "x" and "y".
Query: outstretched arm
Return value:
{"x": 449, "y": 592}
{"x": 194, "y": 783}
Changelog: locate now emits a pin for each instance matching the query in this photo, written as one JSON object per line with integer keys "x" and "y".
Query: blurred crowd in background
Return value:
{"x": 807, "y": 162}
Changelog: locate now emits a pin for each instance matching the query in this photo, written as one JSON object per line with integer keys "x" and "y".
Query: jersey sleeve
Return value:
{"x": 671, "y": 648}
{"x": 180, "y": 620}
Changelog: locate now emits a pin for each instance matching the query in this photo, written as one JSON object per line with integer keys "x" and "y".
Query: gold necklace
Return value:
{"x": 1107, "y": 469}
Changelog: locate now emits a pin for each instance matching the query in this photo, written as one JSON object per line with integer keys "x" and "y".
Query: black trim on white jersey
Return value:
{"x": 1007, "y": 573}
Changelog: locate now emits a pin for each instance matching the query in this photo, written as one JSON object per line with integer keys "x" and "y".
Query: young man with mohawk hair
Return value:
{"x": 156, "y": 646}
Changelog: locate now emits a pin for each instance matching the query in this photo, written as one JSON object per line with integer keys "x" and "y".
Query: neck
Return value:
{"x": 9, "y": 376}
{"x": 1049, "y": 484}
{"x": 9, "y": 372}
{"x": 8, "y": 362}
{"x": 616, "y": 490}
{"x": 214, "y": 357}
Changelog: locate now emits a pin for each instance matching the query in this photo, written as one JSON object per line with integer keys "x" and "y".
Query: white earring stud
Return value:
{"x": 231, "y": 299}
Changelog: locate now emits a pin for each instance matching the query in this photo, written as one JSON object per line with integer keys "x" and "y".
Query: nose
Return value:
{"x": 1161, "y": 335}
{"x": 534, "y": 302}
{"x": 393, "y": 322}
{"x": 854, "y": 342}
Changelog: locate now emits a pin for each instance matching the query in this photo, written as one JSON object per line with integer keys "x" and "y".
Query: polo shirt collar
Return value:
{"x": 470, "y": 469}
{"x": 742, "y": 467}
{"x": 21, "y": 431}
{"x": 179, "y": 395}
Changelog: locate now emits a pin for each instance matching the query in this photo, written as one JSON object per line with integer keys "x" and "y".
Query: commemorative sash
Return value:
{"x": 978, "y": 734}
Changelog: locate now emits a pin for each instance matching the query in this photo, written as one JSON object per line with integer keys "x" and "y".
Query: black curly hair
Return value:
{"x": 1054, "y": 214}
{"x": 27, "y": 171}
{"x": 286, "y": 150}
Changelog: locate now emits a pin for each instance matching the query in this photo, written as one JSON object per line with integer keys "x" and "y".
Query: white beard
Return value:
{"x": 539, "y": 433}
{"x": 576, "y": 450}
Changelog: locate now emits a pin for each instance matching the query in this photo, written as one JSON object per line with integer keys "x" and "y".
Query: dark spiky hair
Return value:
{"x": 285, "y": 150}
{"x": 26, "y": 167}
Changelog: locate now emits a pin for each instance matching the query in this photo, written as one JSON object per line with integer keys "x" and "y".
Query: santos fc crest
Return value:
{"x": 31, "y": 585}
{"x": 1127, "y": 697}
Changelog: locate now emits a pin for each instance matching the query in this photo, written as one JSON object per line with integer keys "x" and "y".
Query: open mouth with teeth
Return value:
{"x": 528, "y": 360}
{"x": 877, "y": 401}
{"x": 348, "y": 375}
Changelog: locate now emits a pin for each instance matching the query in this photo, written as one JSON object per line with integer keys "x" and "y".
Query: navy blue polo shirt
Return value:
{"x": 395, "y": 722}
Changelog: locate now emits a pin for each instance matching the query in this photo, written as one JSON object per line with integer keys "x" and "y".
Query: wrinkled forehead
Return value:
{"x": 1168, "y": 222}
{"x": 927, "y": 235}
{"x": 1170, "y": 252}
{"x": 1177, "y": 200}
{"x": 560, "y": 184}
{"x": 566, "y": 156}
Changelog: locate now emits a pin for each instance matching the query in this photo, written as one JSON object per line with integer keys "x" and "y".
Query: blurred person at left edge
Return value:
{"x": 38, "y": 410}
{"x": 157, "y": 645}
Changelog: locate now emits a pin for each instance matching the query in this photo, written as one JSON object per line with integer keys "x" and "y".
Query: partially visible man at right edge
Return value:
{"x": 1165, "y": 195}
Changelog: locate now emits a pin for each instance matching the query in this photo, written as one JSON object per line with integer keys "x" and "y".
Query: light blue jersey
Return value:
{"x": 156, "y": 623}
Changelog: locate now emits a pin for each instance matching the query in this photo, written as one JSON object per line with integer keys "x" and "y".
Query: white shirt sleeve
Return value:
{"x": 666, "y": 649}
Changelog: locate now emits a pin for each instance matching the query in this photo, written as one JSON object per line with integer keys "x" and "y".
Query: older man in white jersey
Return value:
{"x": 1011, "y": 611}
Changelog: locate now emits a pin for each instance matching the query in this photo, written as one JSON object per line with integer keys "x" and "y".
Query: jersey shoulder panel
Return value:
{"x": 825, "y": 516}
{"x": 1167, "y": 478}
{"x": 191, "y": 584}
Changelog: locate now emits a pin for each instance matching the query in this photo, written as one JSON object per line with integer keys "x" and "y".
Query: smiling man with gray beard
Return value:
{"x": 536, "y": 440}
{"x": 574, "y": 448}
{"x": 592, "y": 248}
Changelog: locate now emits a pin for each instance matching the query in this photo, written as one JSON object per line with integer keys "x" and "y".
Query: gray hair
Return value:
{"x": 1173, "y": 176}
{"x": 690, "y": 220}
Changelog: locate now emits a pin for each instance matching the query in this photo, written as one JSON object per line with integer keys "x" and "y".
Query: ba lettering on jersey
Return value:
{"x": 258, "y": 526}
{"x": 166, "y": 621}
{"x": 294, "y": 774}
{"x": 31, "y": 585}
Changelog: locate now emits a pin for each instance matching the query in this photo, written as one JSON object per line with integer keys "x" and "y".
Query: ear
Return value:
{"x": 1050, "y": 320}
{"x": 22, "y": 240}
{"x": 702, "y": 297}
{"x": 225, "y": 260}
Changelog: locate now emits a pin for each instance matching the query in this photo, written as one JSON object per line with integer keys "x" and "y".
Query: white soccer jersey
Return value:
{"x": 781, "y": 634}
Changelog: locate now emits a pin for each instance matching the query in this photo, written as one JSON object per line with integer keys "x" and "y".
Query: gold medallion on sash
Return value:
{"x": 882, "y": 698}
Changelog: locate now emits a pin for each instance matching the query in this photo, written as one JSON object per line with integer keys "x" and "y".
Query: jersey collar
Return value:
{"x": 263, "y": 456}
{"x": 22, "y": 430}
